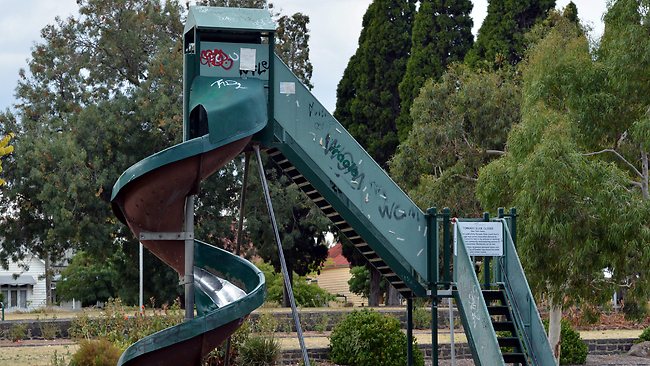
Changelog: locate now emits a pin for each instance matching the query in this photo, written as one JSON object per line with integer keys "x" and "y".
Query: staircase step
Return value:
{"x": 498, "y": 310}
{"x": 504, "y": 326}
{"x": 491, "y": 295}
{"x": 514, "y": 358}
{"x": 509, "y": 342}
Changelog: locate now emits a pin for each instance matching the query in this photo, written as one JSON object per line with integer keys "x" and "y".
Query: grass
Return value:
{"x": 34, "y": 356}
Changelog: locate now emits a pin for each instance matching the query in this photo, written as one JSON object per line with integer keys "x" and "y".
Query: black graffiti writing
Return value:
{"x": 395, "y": 212}
{"x": 260, "y": 69}
{"x": 317, "y": 111}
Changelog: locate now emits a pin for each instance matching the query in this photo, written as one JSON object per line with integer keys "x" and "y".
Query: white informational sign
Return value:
{"x": 247, "y": 60}
{"x": 287, "y": 87}
{"x": 482, "y": 239}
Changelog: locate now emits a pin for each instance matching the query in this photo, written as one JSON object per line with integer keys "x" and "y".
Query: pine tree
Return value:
{"x": 501, "y": 39}
{"x": 442, "y": 34}
{"x": 367, "y": 96}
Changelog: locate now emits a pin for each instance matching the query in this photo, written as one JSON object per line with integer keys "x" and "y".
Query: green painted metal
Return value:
{"x": 226, "y": 265}
{"x": 529, "y": 323}
{"x": 237, "y": 101}
{"x": 230, "y": 19}
{"x": 351, "y": 181}
{"x": 480, "y": 333}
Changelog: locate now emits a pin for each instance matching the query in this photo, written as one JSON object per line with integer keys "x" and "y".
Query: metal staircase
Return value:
{"x": 504, "y": 325}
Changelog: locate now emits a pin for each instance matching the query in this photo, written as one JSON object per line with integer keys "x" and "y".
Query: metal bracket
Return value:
{"x": 441, "y": 293}
{"x": 183, "y": 235}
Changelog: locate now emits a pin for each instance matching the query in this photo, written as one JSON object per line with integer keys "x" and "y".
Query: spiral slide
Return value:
{"x": 150, "y": 198}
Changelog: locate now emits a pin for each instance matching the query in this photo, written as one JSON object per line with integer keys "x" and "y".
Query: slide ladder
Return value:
{"x": 500, "y": 318}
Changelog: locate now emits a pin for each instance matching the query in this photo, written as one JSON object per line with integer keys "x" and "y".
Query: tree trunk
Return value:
{"x": 392, "y": 299}
{"x": 48, "y": 281}
{"x": 554, "y": 327}
{"x": 644, "y": 172}
{"x": 285, "y": 293}
{"x": 375, "y": 291}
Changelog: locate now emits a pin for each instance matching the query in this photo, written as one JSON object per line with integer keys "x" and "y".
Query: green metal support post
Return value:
{"x": 513, "y": 229}
{"x": 498, "y": 275}
{"x": 409, "y": 331}
{"x": 432, "y": 264}
{"x": 447, "y": 244}
{"x": 486, "y": 259}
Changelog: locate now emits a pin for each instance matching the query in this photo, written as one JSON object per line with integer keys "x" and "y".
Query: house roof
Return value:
{"x": 17, "y": 280}
{"x": 335, "y": 258}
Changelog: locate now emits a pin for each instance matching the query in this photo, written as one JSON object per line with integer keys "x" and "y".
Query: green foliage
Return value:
{"x": 87, "y": 280}
{"x": 501, "y": 38}
{"x": 18, "y": 332}
{"x": 259, "y": 351}
{"x": 442, "y": 35}
{"x": 460, "y": 123}
{"x": 367, "y": 96}
{"x": 645, "y": 336}
{"x": 96, "y": 353}
{"x": 421, "y": 318}
{"x": 59, "y": 360}
{"x": 306, "y": 294}
{"x": 368, "y": 338}
{"x": 124, "y": 326}
{"x": 573, "y": 351}
{"x": 292, "y": 46}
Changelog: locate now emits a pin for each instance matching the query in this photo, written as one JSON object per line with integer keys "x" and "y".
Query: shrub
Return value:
{"x": 96, "y": 353}
{"x": 307, "y": 294}
{"x": 573, "y": 351}
{"x": 218, "y": 356}
{"x": 49, "y": 329}
{"x": 421, "y": 318}
{"x": 645, "y": 336}
{"x": 368, "y": 338}
{"x": 259, "y": 351}
{"x": 18, "y": 332}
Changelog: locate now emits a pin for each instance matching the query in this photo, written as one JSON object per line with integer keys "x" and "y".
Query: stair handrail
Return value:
{"x": 473, "y": 309}
{"x": 523, "y": 304}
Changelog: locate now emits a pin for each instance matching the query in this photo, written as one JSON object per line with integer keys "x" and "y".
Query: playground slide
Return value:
{"x": 150, "y": 197}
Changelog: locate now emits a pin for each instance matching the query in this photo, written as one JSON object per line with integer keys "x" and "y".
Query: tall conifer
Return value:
{"x": 367, "y": 97}
{"x": 442, "y": 34}
{"x": 501, "y": 36}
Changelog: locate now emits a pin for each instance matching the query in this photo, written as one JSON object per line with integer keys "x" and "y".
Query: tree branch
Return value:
{"x": 471, "y": 179}
{"x": 495, "y": 152}
{"x": 619, "y": 156}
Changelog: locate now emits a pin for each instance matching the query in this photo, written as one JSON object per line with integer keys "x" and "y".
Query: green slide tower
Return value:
{"x": 239, "y": 96}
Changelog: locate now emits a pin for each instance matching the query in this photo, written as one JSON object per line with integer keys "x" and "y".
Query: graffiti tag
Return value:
{"x": 224, "y": 83}
{"x": 216, "y": 58}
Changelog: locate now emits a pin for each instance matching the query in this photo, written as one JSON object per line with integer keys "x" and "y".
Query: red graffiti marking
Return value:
{"x": 216, "y": 58}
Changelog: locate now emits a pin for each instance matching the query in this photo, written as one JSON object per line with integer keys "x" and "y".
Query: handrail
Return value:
{"x": 523, "y": 303}
{"x": 473, "y": 310}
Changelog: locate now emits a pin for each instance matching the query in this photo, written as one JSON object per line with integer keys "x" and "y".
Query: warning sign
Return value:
{"x": 482, "y": 239}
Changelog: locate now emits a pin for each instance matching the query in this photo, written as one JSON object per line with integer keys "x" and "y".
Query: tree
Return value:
{"x": 5, "y": 149}
{"x": 94, "y": 100}
{"x": 302, "y": 226}
{"x": 501, "y": 39}
{"x": 292, "y": 45}
{"x": 367, "y": 101}
{"x": 87, "y": 280}
{"x": 460, "y": 124}
{"x": 573, "y": 203}
{"x": 442, "y": 34}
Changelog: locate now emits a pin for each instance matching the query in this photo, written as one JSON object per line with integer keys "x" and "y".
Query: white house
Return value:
{"x": 23, "y": 284}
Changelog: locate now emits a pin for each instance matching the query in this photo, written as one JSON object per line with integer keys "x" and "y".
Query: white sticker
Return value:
{"x": 287, "y": 87}
{"x": 247, "y": 59}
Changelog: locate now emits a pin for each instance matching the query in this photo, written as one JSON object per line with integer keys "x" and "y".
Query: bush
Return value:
{"x": 96, "y": 353}
{"x": 18, "y": 332}
{"x": 218, "y": 356}
{"x": 645, "y": 336}
{"x": 307, "y": 295}
{"x": 573, "y": 351}
{"x": 368, "y": 338}
{"x": 49, "y": 330}
{"x": 259, "y": 351}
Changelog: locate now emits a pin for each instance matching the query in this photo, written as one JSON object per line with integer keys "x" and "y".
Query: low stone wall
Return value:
{"x": 596, "y": 347}
{"x": 34, "y": 327}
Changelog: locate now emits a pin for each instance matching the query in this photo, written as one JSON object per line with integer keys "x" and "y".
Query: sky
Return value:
{"x": 334, "y": 27}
